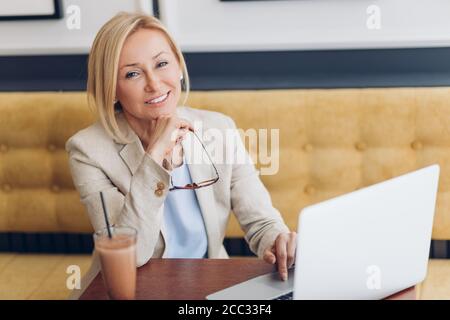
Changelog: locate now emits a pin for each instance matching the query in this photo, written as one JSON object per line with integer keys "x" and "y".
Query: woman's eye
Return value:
{"x": 162, "y": 64}
{"x": 131, "y": 74}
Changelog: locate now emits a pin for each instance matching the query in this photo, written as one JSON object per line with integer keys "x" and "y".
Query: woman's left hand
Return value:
{"x": 282, "y": 252}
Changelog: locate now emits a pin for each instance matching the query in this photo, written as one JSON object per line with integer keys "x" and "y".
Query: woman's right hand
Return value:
{"x": 163, "y": 134}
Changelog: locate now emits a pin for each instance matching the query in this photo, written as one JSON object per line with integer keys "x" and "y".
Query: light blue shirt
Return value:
{"x": 186, "y": 232}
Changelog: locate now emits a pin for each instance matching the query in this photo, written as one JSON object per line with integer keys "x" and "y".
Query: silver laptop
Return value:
{"x": 367, "y": 244}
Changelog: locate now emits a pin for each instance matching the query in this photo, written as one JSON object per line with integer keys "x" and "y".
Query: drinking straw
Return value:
{"x": 106, "y": 215}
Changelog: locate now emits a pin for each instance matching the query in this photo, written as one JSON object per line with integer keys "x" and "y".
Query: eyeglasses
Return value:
{"x": 194, "y": 185}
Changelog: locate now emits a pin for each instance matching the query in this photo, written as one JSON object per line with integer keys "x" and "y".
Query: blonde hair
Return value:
{"x": 104, "y": 62}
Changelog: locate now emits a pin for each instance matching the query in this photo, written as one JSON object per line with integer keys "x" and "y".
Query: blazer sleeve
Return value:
{"x": 139, "y": 208}
{"x": 251, "y": 202}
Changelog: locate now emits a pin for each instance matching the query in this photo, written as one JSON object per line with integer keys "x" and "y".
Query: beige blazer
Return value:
{"x": 130, "y": 179}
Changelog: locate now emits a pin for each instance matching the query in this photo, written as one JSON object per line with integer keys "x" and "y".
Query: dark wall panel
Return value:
{"x": 254, "y": 70}
{"x": 76, "y": 243}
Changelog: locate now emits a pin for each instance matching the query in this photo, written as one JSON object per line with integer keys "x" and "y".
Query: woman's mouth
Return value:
{"x": 158, "y": 101}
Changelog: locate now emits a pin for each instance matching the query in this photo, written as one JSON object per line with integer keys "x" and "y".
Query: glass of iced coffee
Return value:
{"x": 117, "y": 252}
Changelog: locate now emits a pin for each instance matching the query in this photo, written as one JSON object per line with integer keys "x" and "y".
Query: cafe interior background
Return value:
{"x": 375, "y": 73}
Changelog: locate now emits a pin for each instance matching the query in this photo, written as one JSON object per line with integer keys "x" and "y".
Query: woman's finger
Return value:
{"x": 281, "y": 255}
{"x": 184, "y": 124}
{"x": 269, "y": 257}
{"x": 291, "y": 247}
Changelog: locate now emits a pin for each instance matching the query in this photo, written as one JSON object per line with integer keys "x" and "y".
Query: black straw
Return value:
{"x": 106, "y": 215}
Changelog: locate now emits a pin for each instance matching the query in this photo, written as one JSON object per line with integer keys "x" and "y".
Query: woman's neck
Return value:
{"x": 140, "y": 128}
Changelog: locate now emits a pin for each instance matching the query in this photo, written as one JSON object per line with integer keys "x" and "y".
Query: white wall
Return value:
{"x": 211, "y": 25}
{"x": 54, "y": 37}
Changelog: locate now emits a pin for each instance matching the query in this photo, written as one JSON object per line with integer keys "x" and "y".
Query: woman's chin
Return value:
{"x": 161, "y": 111}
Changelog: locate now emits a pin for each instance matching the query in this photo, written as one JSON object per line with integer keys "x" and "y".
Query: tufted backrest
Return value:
{"x": 37, "y": 193}
{"x": 331, "y": 142}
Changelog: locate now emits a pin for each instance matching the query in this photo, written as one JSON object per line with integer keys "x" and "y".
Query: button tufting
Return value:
{"x": 51, "y": 147}
{"x": 361, "y": 146}
{"x": 3, "y": 148}
{"x": 416, "y": 145}
{"x": 309, "y": 189}
{"x": 307, "y": 147}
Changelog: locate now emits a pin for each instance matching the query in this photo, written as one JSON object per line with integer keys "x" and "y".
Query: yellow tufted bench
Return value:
{"x": 331, "y": 142}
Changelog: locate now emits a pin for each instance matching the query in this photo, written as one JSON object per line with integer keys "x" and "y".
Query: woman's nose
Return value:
{"x": 152, "y": 84}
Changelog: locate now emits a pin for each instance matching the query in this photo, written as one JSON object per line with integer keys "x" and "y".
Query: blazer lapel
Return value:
{"x": 133, "y": 152}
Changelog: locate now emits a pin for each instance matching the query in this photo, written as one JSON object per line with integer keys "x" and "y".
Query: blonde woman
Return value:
{"x": 136, "y": 156}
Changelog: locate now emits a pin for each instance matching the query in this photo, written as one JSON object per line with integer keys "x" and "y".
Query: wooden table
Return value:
{"x": 194, "y": 279}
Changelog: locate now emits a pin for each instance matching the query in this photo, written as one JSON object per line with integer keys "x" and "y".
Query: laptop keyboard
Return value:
{"x": 287, "y": 296}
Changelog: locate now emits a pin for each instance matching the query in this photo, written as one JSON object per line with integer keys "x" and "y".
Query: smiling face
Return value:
{"x": 148, "y": 80}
